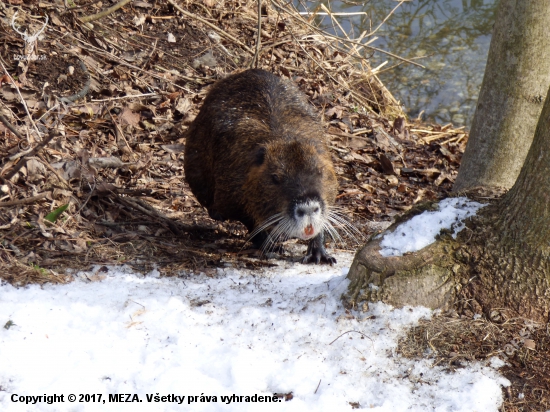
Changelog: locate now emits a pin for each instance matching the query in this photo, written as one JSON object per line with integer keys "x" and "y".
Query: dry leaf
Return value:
{"x": 367, "y": 187}
{"x": 142, "y": 4}
{"x": 529, "y": 344}
{"x": 392, "y": 180}
{"x": 105, "y": 162}
{"x": 365, "y": 158}
{"x": 173, "y": 148}
{"x": 386, "y": 164}
{"x": 183, "y": 105}
{"x": 139, "y": 20}
{"x": 129, "y": 117}
{"x": 335, "y": 111}
{"x": 35, "y": 167}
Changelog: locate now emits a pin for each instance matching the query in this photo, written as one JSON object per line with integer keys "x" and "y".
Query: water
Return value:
{"x": 451, "y": 36}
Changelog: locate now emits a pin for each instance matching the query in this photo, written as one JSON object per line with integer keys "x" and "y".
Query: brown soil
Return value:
{"x": 118, "y": 160}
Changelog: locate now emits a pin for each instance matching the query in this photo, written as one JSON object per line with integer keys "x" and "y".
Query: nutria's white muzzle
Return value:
{"x": 309, "y": 219}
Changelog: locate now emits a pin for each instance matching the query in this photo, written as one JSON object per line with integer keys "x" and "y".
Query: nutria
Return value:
{"x": 255, "y": 153}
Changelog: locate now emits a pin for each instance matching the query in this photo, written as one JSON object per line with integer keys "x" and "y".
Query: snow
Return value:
{"x": 235, "y": 332}
{"x": 421, "y": 230}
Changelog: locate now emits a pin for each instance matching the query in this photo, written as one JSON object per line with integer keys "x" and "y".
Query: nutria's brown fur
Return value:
{"x": 256, "y": 151}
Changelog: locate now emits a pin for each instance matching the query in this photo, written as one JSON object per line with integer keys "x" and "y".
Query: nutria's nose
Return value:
{"x": 308, "y": 209}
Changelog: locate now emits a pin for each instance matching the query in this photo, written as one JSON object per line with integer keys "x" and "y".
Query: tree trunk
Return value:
{"x": 510, "y": 101}
{"x": 499, "y": 265}
{"x": 517, "y": 251}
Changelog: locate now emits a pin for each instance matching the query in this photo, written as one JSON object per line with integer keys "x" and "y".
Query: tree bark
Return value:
{"x": 499, "y": 265}
{"x": 516, "y": 253}
{"x": 510, "y": 101}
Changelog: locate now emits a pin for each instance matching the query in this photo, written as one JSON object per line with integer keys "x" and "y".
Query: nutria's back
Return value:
{"x": 255, "y": 153}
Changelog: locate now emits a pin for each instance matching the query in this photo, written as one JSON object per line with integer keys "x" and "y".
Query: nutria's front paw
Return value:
{"x": 319, "y": 257}
{"x": 316, "y": 252}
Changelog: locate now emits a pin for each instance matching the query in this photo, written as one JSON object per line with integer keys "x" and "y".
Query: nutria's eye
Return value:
{"x": 260, "y": 156}
{"x": 276, "y": 179}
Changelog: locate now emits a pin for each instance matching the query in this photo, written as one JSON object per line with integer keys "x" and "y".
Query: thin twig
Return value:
{"x": 335, "y": 20}
{"x": 119, "y": 133}
{"x": 350, "y": 331}
{"x": 317, "y": 388}
{"x": 320, "y": 13}
{"x": 135, "y": 204}
{"x": 258, "y": 38}
{"x": 386, "y": 18}
{"x": 126, "y": 97}
{"x": 129, "y": 222}
{"x": 106, "y": 12}
{"x": 144, "y": 65}
{"x": 135, "y": 192}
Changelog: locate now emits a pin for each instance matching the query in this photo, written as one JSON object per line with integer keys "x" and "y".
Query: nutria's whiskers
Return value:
{"x": 279, "y": 234}
{"x": 285, "y": 227}
{"x": 335, "y": 216}
{"x": 333, "y": 233}
{"x": 266, "y": 224}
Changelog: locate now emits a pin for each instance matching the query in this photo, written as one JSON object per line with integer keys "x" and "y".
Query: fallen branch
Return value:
{"x": 10, "y": 127}
{"x": 25, "y": 201}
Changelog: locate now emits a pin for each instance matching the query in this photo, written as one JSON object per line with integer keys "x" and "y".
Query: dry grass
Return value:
{"x": 454, "y": 342}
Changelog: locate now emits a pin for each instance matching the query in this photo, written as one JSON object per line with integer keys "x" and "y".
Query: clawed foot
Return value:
{"x": 316, "y": 252}
{"x": 319, "y": 258}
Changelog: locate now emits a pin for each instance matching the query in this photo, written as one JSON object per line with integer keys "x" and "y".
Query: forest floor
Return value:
{"x": 93, "y": 127}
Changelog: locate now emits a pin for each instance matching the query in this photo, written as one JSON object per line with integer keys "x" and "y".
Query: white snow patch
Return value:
{"x": 240, "y": 332}
{"x": 496, "y": 362}
{"x": 421, "y": 230}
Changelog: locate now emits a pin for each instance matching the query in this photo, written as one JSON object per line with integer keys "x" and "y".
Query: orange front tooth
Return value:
{"x": 308, "y": 230}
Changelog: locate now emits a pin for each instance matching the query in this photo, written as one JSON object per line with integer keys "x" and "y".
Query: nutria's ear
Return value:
{"x": 260, "y": 155}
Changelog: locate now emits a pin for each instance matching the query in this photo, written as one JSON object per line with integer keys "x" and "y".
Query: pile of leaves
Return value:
{"x": 94, "y": 117}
